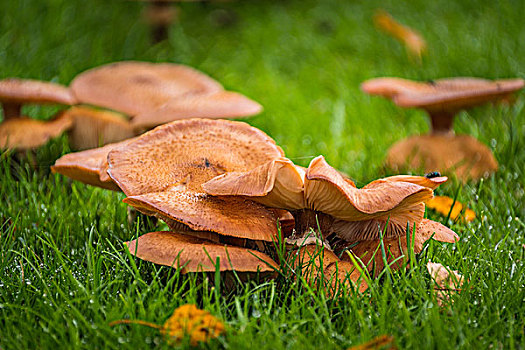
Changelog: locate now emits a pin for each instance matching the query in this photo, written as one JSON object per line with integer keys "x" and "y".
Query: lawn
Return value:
{"x": 64, "y": 271}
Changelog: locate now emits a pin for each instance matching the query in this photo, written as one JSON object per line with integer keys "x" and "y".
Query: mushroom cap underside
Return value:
{"x": 94, "y": 128}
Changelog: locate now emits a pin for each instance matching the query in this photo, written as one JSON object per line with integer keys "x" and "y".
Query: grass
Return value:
{"x": 64, "y": 273}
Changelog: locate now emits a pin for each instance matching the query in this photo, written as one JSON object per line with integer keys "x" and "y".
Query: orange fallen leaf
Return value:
{"x": 443, "y": 204}
{"x": 385, "y": 342}
{"x": 199, "y": 325}
{"x": 447, "y": 281}
{"x": 413, "y": 41}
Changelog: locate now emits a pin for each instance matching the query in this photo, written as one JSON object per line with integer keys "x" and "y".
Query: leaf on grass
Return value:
{"x": 413, "y": 41}
{"x": 447, "y": 281}
{"x": 443, "y": 205}
{"x": 385, "y": 342}
{"x": 186, "y": 320}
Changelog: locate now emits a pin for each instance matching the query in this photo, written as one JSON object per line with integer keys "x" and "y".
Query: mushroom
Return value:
{"x": 93, "y": 127}
{"x": 193, "y": 254}
{"x": 442, "y": 99}
{"x": 161, "y": 172}
{"x": 322, "y": 200}
{"x": 153, "y": 94}
{"x": 24, "y": 133}
{"x": 89, "y": 167}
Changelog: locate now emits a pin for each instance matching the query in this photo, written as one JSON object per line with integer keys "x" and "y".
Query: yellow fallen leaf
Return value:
{"x": 412, "y": 40}
{"x": 199, "y": 325}
{"x": 447, "y": 281}
{"x": 442, "y": 205}
{"x": 385, "y": 342}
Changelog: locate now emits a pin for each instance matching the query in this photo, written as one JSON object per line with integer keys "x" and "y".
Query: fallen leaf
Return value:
{"x": 447, "y": 281}
{"x": 385, "y": 342}
{"x": 200, "y": 325}
{"x": 443, "y": 204}
{"x": 186, "y": 320}
{"x": 413, "y": 41}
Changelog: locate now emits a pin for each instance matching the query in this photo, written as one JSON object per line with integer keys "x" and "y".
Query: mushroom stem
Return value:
{"x": 441, "y": 123}
{"x": 11, "y": 110}
{"x": 307, "y": 220}
{"x": 160, "y": 14}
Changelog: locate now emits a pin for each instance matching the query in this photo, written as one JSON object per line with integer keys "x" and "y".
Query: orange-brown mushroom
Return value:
{"x": 321, "y": 199}
{"x": 442, "y": 99}
{"x": 197, "y": 255}
{"x": 94, "y": 128}
{"x": 89, "y": 167}
{"x": 21, "y": 132}
{"x": 139, "y": 89}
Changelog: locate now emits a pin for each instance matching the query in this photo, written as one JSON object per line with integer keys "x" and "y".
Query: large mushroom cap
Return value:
{"x": 14, "y": 90}
{"x": 461, "y": 155}
{"x": 443, "y": 95}
{"x": 89, "y": 167}
{"x": 222, "y": 104}
{"x": 93, "y": 128}
{"x": 25, "y": 133}
{"x": 188, "y": 152}
{"x": 139, "y": 87}
{"x": 197, "y": 255}
{"x": 162, "y": 172}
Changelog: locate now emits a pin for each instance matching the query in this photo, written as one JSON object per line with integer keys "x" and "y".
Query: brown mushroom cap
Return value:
{"x": 451, "y": 94}
{"x": 19, "y": 91}
{"x": 139, "y": 87}
{"x": 461, "y": 155}
{"x": 162, "y": 172}
{"x": 281, "y": 184}
{"x": 227, "y": 216}
{"x": 25, "y": 133}
{"x": 222, "y": 104}
{"x": 94, "y": 128}
{"x": 188, "y": 152}
{"x": 89, "y": 167}
{"x": 196, "y": 255}
{"x": 370, "y": 251}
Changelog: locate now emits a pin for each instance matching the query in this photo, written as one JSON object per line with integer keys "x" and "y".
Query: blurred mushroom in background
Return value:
{"x": 21, "y": 132}
{"x": 442, "y": 99}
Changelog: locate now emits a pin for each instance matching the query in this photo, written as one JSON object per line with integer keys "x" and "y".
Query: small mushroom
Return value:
{"x": 24, "y": 133}
{"x": 322, "y": 200}
{"x": 442, "y": 99}
{"x": 156, "y": 93}
{"x": 94, "y": 128}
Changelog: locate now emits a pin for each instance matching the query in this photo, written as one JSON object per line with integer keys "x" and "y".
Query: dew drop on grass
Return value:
{"x": 256, "y": 313}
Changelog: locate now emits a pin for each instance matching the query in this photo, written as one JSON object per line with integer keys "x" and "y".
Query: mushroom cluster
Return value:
{"x": 442, "y": 99}
{"x": 222, "y": 186}
{"x": 115, "y": 102}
